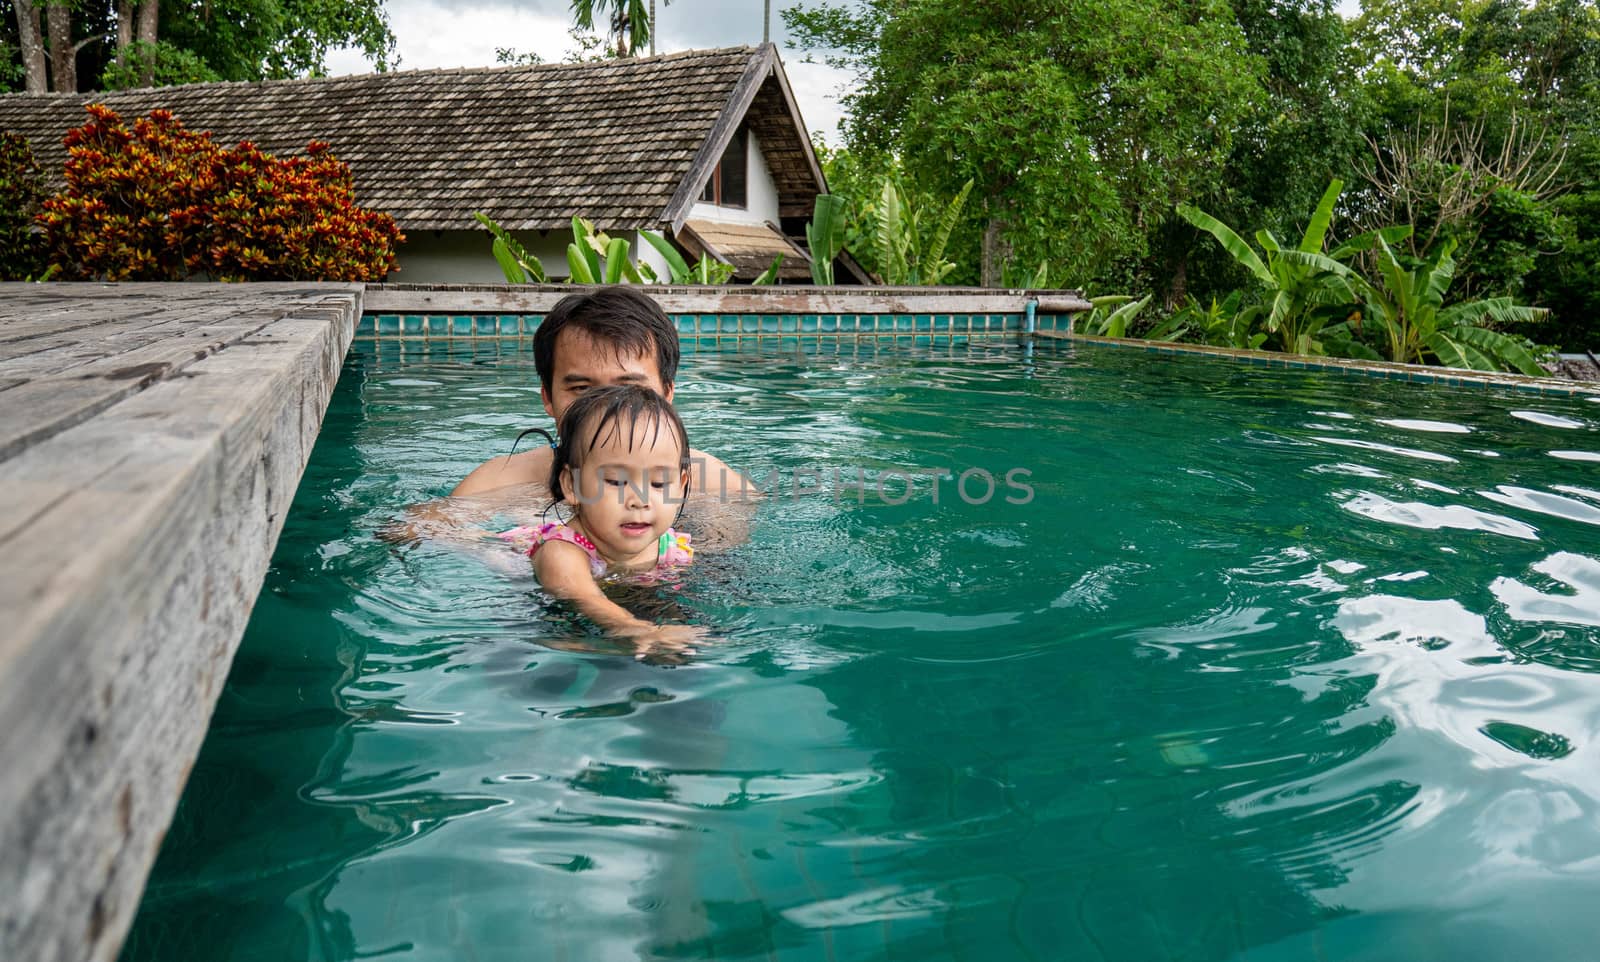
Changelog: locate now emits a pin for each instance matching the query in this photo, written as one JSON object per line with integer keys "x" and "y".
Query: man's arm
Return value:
{"x": 461, "y": 518}
{"x": 529, "y": 467}
{"x": 710, "y": 477}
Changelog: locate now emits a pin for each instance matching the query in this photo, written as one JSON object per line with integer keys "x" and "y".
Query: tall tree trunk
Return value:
{"x": 125, "y": 30}
{"x": 147, "y": 36}
{"x": 995, "y": 253}
{"x": 63, "y": 55}
{"x": 652, "y": 28}
{"x": 147, "y": 21}
{"x": 32, "y": 43}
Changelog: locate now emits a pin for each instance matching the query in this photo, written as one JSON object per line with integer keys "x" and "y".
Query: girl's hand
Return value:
{"x": 671, "y": 643}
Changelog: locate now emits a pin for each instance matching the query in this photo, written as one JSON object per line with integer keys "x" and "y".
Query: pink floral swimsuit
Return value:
{"x": 672, "y": 550}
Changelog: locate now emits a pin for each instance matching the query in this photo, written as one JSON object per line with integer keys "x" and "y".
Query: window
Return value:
{"x": 726, "y": 188}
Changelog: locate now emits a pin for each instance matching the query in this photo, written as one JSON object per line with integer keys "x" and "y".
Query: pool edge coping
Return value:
{"x": 1386, "y": 370}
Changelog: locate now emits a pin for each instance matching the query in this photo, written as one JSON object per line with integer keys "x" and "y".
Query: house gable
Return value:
{"x": 764, "y": 104}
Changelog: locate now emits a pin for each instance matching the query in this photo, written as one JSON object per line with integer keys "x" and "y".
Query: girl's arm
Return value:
{"x": 563, "y": 570}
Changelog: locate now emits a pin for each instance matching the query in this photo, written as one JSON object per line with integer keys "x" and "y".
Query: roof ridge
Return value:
{"x": 388, "y": 75}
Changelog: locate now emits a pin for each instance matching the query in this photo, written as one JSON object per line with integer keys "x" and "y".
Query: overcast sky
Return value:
{"x": 465, "y": 33}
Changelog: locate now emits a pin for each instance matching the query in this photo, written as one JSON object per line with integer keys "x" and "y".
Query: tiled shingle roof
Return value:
{"x": 612, "y": 141}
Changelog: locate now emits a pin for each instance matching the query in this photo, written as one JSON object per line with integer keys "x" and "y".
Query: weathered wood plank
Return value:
{"x": 48, "y": 405}
{"x": 42, "y": 351}
{"x": 135, "y": 543}
{"x": 30, "y": 311}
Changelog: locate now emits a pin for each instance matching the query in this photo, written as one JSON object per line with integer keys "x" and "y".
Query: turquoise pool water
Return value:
{"x": 1275, "y": 665}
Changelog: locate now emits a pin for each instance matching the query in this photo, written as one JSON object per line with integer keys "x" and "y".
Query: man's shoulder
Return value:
{"x": 526, "y": 467}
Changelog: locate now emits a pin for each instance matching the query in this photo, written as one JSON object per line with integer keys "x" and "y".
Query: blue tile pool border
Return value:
{"x": 453, "y": 326}
{"x": 918, "y": 330}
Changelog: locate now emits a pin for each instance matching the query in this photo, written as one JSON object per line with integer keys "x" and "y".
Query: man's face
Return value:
{"x": 581, "y": 364}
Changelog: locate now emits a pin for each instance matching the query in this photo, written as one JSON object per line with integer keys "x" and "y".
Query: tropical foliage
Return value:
{"x": 155, "y": 201}
{"x": 1413, "y": 322}
{"x": 21, "y": 192}
{"x": 906, "y": 237}
{"x": 825, "y": 235}
{"x": 1304, "y": 286}
{"x": 1314, "y": 302}
{"x": 629, "y": 23}
{"x": 1084, "y": 128}
{"x": 519, "y": 266}
{"x": 704, "y": 271}
{"x": 594, "y": 257}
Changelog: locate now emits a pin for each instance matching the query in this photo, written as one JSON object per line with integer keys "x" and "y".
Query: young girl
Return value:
{"x": 622, "y": 466}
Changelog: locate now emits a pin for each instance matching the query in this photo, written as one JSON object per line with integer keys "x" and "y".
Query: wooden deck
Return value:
{"x": 151, "y": 438}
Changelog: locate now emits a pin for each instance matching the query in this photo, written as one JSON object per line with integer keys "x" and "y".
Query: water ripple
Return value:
{"x": 1416, "y": 514}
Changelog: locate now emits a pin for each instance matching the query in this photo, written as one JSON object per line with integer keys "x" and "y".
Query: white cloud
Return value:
{"x": 443, "y": 34}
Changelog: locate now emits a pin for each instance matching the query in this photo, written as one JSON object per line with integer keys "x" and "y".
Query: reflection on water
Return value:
{"x": 1276, "y": 665}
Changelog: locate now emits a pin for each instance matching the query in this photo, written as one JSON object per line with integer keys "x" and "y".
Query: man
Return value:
{"x": 615, "y": 335}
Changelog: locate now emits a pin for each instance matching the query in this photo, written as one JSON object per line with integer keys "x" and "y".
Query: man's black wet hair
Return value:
{"x": 603, "y": 410}
{"x": 619, "y": 317}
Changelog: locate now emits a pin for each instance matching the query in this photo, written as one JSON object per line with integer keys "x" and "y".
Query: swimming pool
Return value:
{"x": 1272, "y": 664}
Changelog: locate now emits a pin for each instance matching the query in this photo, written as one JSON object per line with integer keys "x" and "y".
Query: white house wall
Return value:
{"x": 761, "y": 193}
{"x": 464, "y": 256}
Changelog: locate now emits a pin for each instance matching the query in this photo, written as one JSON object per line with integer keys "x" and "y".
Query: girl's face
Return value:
{"x": 627, "y": 494}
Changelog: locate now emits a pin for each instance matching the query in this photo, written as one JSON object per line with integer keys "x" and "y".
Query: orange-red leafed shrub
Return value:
{"x": 159, "y": 202}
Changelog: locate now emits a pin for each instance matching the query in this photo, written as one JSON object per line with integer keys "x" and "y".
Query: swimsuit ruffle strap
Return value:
{"x": 535, "y": 537}
{"x": 675, "y": 549}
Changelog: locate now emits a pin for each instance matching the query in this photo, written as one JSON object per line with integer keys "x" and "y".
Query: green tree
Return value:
{"x": 277, "y": 39}
{"x": 629, "y": 24}
{"x": 1300, "y": 135}
{"x": 1485, "y": 130}
{"x": 111, "y": 44}
{"x": 1080, "y": 123}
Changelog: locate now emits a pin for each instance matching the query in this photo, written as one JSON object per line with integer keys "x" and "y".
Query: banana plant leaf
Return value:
{"x": 1230, "y": 241}
{"x": 675, "y": 262}
{"x": 770, "y": 275}
{"x": 1506, "y": 351}
{"x": 579, "y": 265}
{"x": 1362, "y": 243}
{"x": 516, "y": 263}
{"x": 585, "y": 249}
{"x": 1116, "y": 325}
{"x": 889, "y": 237}
{"x": 825, "y": 236}
{"x": 1316, "y": 235}
{"x": 946, "y": 225}
{"x": 616, "y": 260}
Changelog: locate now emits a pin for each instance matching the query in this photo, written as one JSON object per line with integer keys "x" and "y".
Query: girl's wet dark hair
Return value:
{"x": 602, "y": 410}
